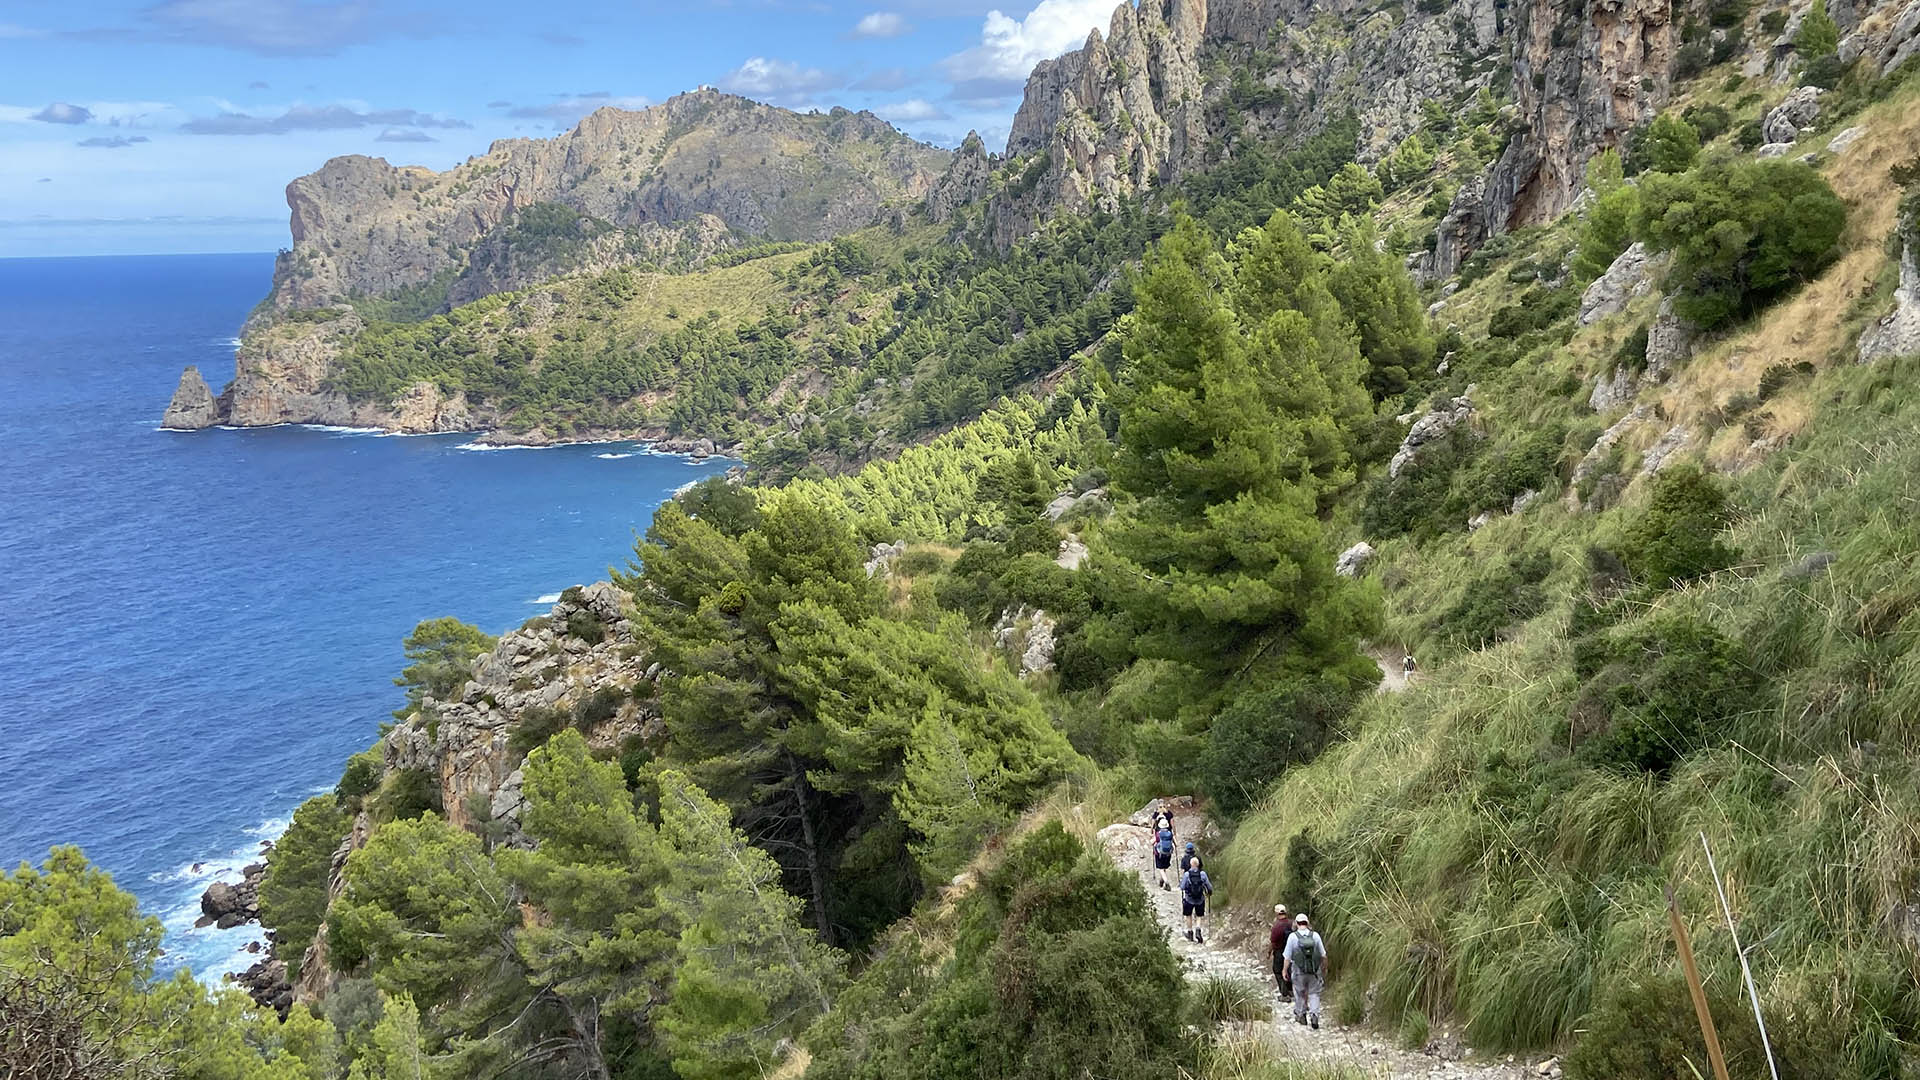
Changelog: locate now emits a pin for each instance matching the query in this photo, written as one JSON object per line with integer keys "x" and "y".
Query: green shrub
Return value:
{"x": 535, "y": 726}
{"x": 1608, "y": 231}
{"x": 293, "y": 895}
{"x": 920, "y": 562}
{"x": 1536, "y": 309}
{"x": 1667, "y": 145}
{"x": 1742, "y": 234}
{"x": 1819, "y": 35}
{"x": 1710, "y": 121}
{"x": 1219, "y": 999}
{"x": 1665, "y": 689}
{"x": 598, "y": 707}
{"x": 1261, "y": 733}
{"x": 1675, "y": 538}
{"x": 360, "y": 777}
{"x": 1644, "y": 1029}
{"x": 1495, "y": 600}
{"x": 1750, "y": 135}
{"x": 406, "y": 794}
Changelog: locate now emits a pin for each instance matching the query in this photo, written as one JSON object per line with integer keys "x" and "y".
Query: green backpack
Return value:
{"x": 1306, "y": 959}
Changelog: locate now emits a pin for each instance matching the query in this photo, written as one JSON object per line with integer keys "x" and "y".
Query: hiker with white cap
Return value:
{"x": 1305, "y": 966}
{"x": 1277, "y": 948}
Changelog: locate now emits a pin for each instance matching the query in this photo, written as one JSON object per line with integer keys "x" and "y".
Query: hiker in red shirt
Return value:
{"x": 1277, "y": 947}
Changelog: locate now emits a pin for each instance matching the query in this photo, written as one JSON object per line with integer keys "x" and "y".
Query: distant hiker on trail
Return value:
{"x": 1190, "y": 858}
{"x": 1195, "y": 887}
{"x": 1277, "y": 948}
{"x": 1163, "y": 847}
{"x": 1306, "y": 967}
{"x": 1407, "y": 666}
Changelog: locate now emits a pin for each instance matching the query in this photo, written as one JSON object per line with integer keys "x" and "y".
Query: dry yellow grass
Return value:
{"x": 1812, "y": 325}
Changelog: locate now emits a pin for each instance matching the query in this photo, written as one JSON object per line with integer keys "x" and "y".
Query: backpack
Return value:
{"x": 1307, "y": 957}
{"x": 1194, "y": 885}
{"x": 1164, "y": 845}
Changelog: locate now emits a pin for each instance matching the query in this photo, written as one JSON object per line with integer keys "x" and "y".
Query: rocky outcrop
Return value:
{"x": 1437, "y": 424}
{"x": 1029, "y": 634}
{"x": 881, "y": 559}
{"x": 1458, "y": 235}
{"x": 1583, "y": 77}
{"x": 582, "y": 659}
{"x": 1072, "y": 554}
{"x": 363, "y": 227}
{"x": 1354, "y": 559}
{"x": 965, "y": 181}
{"x": 1898, "y": 332}
{"x": 1795, "y": 116}
{"x": 1630, "y": 275}
{"x": 193, "y": 406}
{"x": 1612, "y": 391}
{"x": 226, "y": 905}
{"x": 1669, "y": 343}
{"x": 1886, "y": 38}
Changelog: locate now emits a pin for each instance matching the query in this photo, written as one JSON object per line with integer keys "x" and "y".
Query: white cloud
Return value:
{"x": 14, "y": 30}
{"x": 1009, "y": 48}
{"x": 780, "y": 81}
{"x": 566, "y": 110}
{"x": 910, "y": 111}
{"x": 61, "y": 112}
{"x": 882, "y": 24}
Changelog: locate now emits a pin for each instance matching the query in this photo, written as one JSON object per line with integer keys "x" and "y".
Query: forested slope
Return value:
{"x": 808, "y": 785}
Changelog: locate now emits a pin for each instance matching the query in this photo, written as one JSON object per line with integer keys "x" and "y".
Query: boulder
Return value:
{"x": 1793, "y": 116}
{"x": 1774, "y": 150}
{"x": 1661, "y": 454}
{"x": 703, "y": 448}
{"x": 1669, "y": 342}
{"x": 1523, "y": 500}
{"x": 1354, "y": 559}
{"x": 1479, "y": 521}
{"x": 193, "y": 406}
{"x": 1898, "y": 332}
{"x": 1630, "y": 275}
{"x": 1612, "y": 391}
{"x": 880, "y": 563}
{"x": 1839, "y": 143}
{"x": 1435, "y": 425}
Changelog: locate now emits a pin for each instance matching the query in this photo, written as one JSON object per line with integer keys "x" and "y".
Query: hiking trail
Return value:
{"x": 1236, "y": 949}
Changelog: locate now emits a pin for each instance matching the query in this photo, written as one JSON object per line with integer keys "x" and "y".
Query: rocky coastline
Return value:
{"x": 227, "y": 905}
{"x": 194, "y": 407}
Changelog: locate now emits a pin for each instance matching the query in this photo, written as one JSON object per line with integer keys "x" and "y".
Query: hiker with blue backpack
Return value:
{"x": 1163, "y": 845}
{"x": 1306, "y": 968}
{"x": 1195, "y": 887}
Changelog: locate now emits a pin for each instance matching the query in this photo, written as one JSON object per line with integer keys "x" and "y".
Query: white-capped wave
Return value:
{"x": 614, "y": 457}
{"x": 208, "y": 951}
{"x": 546, "y": 598}
{"x": 341, "y": 429}
{"x": 507, "y": 446}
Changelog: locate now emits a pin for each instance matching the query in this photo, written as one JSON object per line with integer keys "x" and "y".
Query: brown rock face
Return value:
{"x": 193, "y": 405}
{"x": 1581, "y": 83}
{"x": 364, "y": 227}
{"x": 965, "y": 180}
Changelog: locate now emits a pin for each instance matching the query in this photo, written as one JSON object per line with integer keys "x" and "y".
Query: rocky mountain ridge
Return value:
{"x": 713, "y": 161}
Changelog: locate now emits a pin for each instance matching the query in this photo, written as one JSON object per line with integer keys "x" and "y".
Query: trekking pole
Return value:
{"x": 1700, "y": 1010}
{"x": 1745, "y": 971}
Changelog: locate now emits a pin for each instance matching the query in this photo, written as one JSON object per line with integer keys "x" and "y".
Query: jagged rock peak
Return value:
{"x": 965, "y": 180}
{"x": 193, "y": 406}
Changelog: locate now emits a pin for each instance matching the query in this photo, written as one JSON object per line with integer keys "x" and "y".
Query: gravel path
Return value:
{"x": 1236, "y": 948}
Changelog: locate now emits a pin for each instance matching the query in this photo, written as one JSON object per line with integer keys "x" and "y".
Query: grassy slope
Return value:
{"x": 1468, "y": 864}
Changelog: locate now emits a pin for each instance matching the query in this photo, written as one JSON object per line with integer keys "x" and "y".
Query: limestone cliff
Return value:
{"x": 363, "y": 227}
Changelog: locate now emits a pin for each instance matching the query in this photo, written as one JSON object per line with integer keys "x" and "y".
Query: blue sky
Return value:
{"x": 174, "y": 125}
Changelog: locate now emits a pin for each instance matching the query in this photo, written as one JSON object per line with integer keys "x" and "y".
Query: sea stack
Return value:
{"x": 193, "y": 406}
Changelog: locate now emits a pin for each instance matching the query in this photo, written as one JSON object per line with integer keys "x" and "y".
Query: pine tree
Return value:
{"x": 1229, "y": 441}
{"x": 397, "y": 1050}
{"x": 1819, "y": 35}
{"x": 601, "y": 944}
{"x": 749, "y": 974}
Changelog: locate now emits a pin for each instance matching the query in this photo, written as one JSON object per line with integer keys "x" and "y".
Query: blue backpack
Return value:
{"x": 1165, "y": 844}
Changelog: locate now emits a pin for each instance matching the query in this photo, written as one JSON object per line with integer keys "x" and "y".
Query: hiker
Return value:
{"x": 1277, "y": 948}
{"x": 1305, "y": 962}
{"x": 1195, "y": 887}
{"x": 1163, "y": 847}
{"x": 1190, "y": 858}
{"x": 1407, "y": 666}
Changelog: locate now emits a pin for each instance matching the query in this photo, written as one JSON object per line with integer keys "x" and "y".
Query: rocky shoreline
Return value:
{"x": 226, "y": 905}
{"x": 194, "y": 407}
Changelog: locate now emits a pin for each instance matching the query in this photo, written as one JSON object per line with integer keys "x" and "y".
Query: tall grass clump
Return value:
{"x": 1495, "y": 846}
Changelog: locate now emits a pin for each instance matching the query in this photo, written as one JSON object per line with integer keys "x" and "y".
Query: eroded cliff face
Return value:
{"x": 1176, "y": 85}
{"x": 363, "y": 227}
{"x": 1583, "y": 77}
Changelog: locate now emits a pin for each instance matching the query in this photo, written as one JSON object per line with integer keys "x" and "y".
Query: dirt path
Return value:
{"x": 1236, "y": 948}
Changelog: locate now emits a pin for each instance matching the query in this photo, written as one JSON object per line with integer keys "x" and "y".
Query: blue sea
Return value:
{"x": 197, "y": 628}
